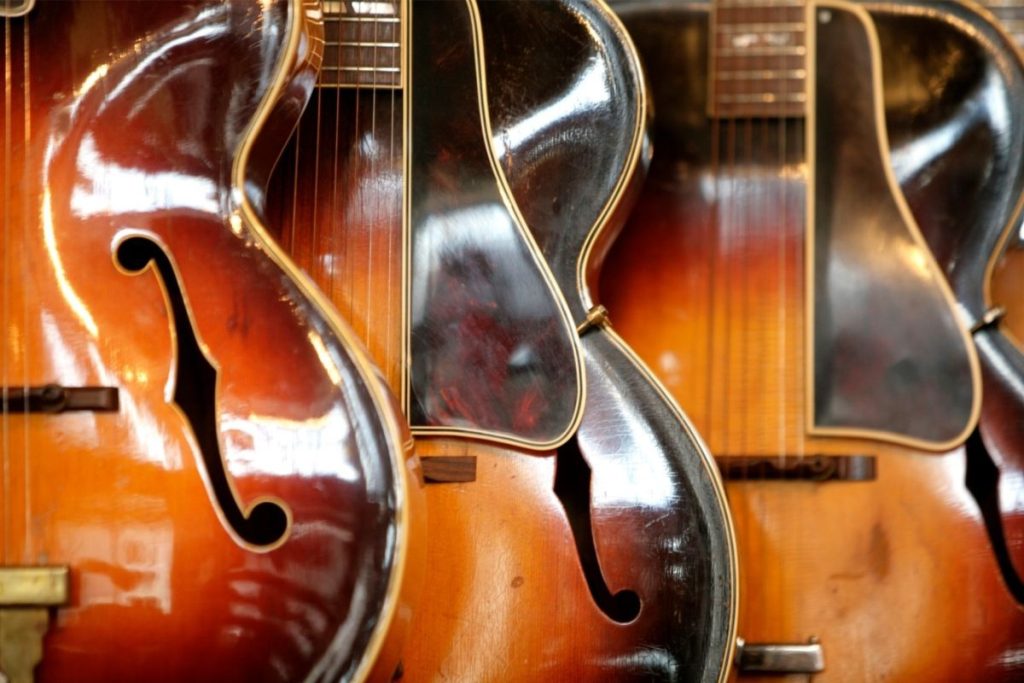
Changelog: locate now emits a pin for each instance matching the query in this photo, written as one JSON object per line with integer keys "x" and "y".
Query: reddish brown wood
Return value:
{"x": 126, "y": 118}
{"x": 894, "y": 576}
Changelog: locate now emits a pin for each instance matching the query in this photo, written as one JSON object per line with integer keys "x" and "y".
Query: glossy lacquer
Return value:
{"x": 718, "y": 282}
{"x": 605, "y": 556}
{"x": 240, "y": 514}
{"x": 966, "y": 184}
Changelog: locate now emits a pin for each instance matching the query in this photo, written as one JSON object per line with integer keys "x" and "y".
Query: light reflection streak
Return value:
{"x": 918, "y": 154}
{"x": 308, "y": 448}
{"x": 75, "y": 302}
{"x": 325, "y": 357}
{"x": 476, "y": 229}
{"x": 145, "y": 553}
{"x": 618, "y": 438}
{"x": 589, "y": 92}
{"x": 119, "y": 190}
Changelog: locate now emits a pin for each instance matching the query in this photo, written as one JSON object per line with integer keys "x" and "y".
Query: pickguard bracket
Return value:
{"x": 990, "y": 319}
{"x": 26, "y": 596}
{"x": 596, "y": 317}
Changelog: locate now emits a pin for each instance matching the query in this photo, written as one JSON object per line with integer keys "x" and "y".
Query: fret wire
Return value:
{"x": 761, "y": 74}
{"x": 361, "y": 20}
{"x": 760, "y": 98}
{"x": 798, "y": 50}
{"x": 740, "y": 4}
{"x": 356, "y": 43}
{"x": 761, "y": 27}
{"x": 366, "y": 69}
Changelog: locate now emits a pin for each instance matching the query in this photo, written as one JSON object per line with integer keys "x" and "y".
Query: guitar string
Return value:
{"x": 398, "y": 39}
{"x": 26, "y": 282}
{"x": 357, "y": 172}
{"x": 4, "y": 371}
{"x": 371, "y": 150}
{"x": 728, "y": 237}
{"x": 331, "y": 255}
{"x": 297, "y": 145}
{"x": 313, "y": 266}
{"x": 783, "y": 132}
{"x": 780, "y": 191}
{"x": 712, "y": 258}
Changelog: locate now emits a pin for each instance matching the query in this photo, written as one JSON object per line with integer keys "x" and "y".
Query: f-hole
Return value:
{"x": 982, "y": 479}
{"x": 572, "y": 486}
{"x": 195, "y": 386}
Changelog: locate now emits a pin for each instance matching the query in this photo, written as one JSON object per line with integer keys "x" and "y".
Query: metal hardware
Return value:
{"x": 798, "y": 468}
{"x": 33, "y": 586}
{"x": 780, "y": 658}
{"x": 26, "y": 594}
{"x": 992, "y": 317}
{"x": 596, "y": 317}
{"x": 53, "y": 398}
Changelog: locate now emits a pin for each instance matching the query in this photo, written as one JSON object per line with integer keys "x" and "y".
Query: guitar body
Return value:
{"x": 1007, "y": 283}
{"x": 970, "y": 196}
{"x": 712, "y": 282}
{"x": 234, "y": 508}
{"x": 598, "y": 548}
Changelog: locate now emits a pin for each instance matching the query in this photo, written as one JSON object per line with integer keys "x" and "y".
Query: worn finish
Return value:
{"x": 491, "y": 348}
{"x": 554, "y": 565}
{"x": 126, "y": 120}
{"x": 708, "y": 282}
{"x": 645, "y": 457}
{"x": 959, "y": 149}
{"x": 876, "y": 367}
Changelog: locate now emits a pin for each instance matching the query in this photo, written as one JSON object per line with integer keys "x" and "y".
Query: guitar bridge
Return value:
{"x": 26, "y": 595}
{"x": 814, "y": 468}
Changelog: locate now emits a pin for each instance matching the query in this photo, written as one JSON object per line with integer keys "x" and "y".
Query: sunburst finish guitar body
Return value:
{"x": 775, "y": 279}
{"x": 577, "y": 530}
{"x": 968, "y": 192}
{"x": 202, "y": 478}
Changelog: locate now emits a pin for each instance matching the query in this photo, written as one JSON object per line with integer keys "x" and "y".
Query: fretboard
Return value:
{"x": 362, "y": 44}
{"x": 1011, "y": 14}
{"x": 758, "y": 58}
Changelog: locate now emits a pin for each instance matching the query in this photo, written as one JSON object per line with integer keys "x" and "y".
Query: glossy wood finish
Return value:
{"x": 124, "y": 120}
{"x": 1007, "y": 285}
{"x": 642, "y": 451}
{"x": 515, "y": 591}
{"x": 720, "y": 317}
{"x": 964, "y": 173}
{"x": 492, "y": 347}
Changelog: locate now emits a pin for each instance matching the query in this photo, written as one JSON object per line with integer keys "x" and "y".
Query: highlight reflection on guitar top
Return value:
{"x": 419, "y": 340}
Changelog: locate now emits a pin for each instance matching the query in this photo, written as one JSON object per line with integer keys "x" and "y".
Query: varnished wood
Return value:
{"x": 1008, "y": 290}
{"x": 441, "y": 469}
{"x": 509, "y": 596}
{"x": 970, "y": 232}
{"x": 862, "y": 565}
{"x": 131, "y": 121}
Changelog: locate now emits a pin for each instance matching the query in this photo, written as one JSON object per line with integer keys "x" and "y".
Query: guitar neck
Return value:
{"x": 1011, "y": 15}
{"x": 758, "y": 58}
{"x": 362, "y": 44}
